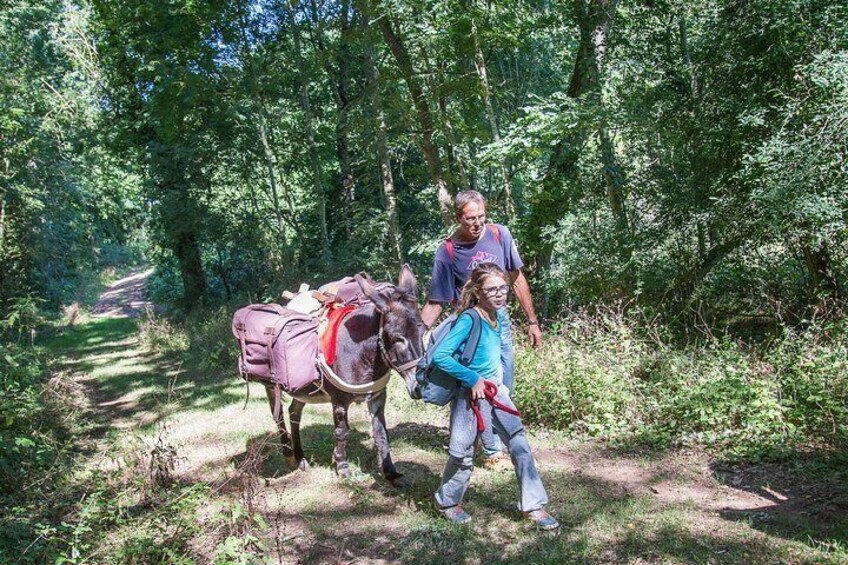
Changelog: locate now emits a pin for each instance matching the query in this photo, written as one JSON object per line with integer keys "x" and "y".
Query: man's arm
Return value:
{"x": 430, "y": 312}
{"x": 522, "y": 293}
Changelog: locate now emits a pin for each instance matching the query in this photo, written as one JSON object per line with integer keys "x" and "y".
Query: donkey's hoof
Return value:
{"x": 343, "y": 470}
{"x": 392, "y": 475}
{"x": 402, "y": 482}
{"x": 303, "y": 465}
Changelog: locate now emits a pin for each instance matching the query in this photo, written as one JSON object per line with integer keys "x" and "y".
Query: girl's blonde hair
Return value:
{"x": 471, "y": 289}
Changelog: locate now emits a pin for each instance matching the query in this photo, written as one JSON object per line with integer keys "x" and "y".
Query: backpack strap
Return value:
{"x": 495, "y": 230}
{"x": 473, "y": 341}
{"x": 449, "y": 248}
{"x": 243, "y": 358}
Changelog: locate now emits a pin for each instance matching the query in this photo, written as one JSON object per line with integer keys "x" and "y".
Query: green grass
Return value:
{"x": 225, "y": 469}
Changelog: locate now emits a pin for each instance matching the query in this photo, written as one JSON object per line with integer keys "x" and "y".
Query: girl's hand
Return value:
{"x": 477, "y": 391}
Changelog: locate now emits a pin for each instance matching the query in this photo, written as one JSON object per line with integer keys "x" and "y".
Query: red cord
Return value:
{"x": 490, "y": 390}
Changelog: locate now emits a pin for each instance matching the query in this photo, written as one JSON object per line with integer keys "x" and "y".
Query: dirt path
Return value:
{"x": 616, "y": 506}
{"x": 126, "y": 297}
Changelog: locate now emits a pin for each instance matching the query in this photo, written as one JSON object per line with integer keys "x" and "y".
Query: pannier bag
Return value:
{"x": 278, "y": 346}
{"x": 438, "y": 387}
{"x": 348, "y": 291}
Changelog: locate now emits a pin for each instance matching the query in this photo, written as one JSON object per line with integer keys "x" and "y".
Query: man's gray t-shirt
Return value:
{"x": 449, "y": 275}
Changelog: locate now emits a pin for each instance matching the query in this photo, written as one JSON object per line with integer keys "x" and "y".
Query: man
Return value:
{"x": 473, "y": 243}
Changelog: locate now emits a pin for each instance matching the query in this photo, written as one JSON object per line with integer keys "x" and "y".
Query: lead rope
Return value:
{"x": 490, "y": 390}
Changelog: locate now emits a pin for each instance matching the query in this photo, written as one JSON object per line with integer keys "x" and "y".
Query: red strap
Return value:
{"x": 490, "y": 390}
{"x": 335, "y": 316}
{"x": 493, "y": 229}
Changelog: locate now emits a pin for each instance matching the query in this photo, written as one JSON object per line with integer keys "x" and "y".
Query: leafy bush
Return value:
{"x": 204, "y": 337}
{"x": 610, "y": 377}
{"x": 34, "y": 436}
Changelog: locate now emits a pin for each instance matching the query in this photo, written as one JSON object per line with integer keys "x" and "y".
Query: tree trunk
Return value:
{"x": 453, "y": 159}
{"x": 482, "y": 74}
{"x": 314, "y": 159}
{"x": 594, "y": 18}
{"x": 687, "y": 56}
{"x": 191, "y": 268}
{"x": 382, "y": 147}
{"x": 454, "y": 162}
{"x": 338, "y": 80}
{"x": 614, "y": 182}
{"x": 422, "y": 108}
{"x": 270, "y": 164}
{"x": 819, "y": 267}
{"x": 182, "y": 218}
{"x": 2, "y": 226}
{"x": 256, "y": 101}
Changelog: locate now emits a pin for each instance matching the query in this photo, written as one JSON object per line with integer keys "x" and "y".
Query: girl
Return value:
{"x": 485, "y": 292}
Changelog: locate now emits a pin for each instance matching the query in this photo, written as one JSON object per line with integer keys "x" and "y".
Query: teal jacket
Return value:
{"x": 487, "y": 359}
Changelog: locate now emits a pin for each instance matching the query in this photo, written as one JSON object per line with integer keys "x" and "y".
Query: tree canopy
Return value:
{"x": 674, "y": 155}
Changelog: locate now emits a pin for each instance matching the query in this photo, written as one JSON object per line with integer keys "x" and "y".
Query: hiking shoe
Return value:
{"x": 497, "y": 462}
{"x": 456, "y": 514}
{"x": 542, "y": 519}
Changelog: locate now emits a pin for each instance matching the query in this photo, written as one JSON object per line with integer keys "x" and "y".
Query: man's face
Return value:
{"x": 472, "y": 220}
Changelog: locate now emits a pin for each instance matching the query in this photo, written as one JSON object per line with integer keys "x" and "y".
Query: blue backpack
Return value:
{"x": 438, "y": 387}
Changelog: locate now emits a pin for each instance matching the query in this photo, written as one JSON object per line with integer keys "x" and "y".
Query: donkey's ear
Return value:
{"x": 406, "y": 281}
{"x": 380, "y": 300}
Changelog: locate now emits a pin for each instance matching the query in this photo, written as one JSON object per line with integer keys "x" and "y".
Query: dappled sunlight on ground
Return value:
{"x": 615, "y": 506}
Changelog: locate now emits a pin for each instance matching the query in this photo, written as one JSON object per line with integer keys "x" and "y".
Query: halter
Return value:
{"x": 381, "y": 346}
{"x": 368, "y": 388}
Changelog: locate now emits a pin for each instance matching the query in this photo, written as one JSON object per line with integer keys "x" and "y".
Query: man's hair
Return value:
{"x": 466, "y": 197}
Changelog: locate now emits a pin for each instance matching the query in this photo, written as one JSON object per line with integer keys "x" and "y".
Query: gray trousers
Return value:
{"x": 463, "y": 431}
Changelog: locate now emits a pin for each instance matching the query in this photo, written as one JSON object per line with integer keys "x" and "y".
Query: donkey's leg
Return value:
{"x": 376, "y": 406}
{"x": 342, "y": 429}
{"x": 295, "y": 412}
{"x": 281, "y": 424}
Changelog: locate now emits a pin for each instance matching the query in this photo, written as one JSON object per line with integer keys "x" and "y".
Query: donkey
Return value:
{"x": 385, "y": 334}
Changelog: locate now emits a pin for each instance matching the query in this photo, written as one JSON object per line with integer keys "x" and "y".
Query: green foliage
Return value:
{"x": 203, "y": 339}
{"x": 614, "y": 377}
{"x": 33, "y": 452}
{"x": 24, "y": 452}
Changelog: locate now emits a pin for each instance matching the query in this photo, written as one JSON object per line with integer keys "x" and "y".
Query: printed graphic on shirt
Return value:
{"x": 480, "y": 257}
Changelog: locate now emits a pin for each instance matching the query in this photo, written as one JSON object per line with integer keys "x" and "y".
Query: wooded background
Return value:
{"x": 688, "y": 158}
{"x": 675, "y": 174}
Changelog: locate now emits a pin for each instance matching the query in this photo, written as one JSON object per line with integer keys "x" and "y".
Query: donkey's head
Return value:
{"x": 402, "y": 332}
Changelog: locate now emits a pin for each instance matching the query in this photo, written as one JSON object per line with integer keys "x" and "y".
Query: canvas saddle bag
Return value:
{"x": 278, "y": 346}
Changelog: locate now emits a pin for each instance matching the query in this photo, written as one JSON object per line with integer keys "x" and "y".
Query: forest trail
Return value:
{"x": 616, "y": 506}
{"x": 126, "y": 297}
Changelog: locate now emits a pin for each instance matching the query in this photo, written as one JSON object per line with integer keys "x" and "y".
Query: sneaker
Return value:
{"x": 456, "y": 514}
{"x": 497, "y": 462}
{"x": 542, "y": 519}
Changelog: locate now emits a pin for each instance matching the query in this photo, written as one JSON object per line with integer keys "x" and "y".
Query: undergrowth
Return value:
{"x": 620, "y": 378}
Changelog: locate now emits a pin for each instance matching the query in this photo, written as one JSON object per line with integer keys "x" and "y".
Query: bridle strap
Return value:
{"x": 400, "y": 368}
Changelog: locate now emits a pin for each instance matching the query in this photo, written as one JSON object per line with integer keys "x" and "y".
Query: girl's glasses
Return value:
{"x": 493, "y": 291}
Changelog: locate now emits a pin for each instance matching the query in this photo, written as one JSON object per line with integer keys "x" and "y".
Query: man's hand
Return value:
{"x": 522, "y": 293}
{"x": 534, "y": 332}
{"x": 430, "y": 313}
{"x": 478, "y": 390}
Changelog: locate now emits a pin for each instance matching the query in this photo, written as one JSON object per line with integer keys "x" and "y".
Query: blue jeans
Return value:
{"x": 492, "y": 444}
